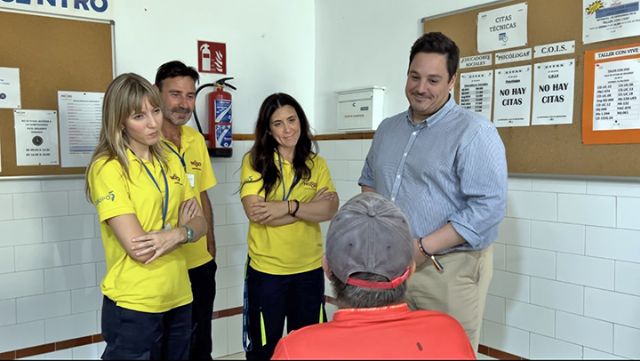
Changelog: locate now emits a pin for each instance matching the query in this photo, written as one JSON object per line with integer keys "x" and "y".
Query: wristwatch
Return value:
{"x": 189, "y": 234}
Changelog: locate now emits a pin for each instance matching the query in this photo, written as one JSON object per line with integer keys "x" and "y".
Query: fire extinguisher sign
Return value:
{"x": 212, "y": 57}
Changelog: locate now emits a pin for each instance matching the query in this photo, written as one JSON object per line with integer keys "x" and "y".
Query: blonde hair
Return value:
{"x": 124, "y": 96}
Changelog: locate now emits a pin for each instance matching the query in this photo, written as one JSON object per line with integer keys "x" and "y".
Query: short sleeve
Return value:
{"x": 109, "y": 189}
{"x": 207, "y": 176}
{"x": 250, "y": 179}
{"x": 324, "y": 175}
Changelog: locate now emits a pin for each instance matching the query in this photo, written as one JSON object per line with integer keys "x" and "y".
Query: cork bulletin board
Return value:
{"x": 52, "y": 54}
{"x": 551, "y": 149}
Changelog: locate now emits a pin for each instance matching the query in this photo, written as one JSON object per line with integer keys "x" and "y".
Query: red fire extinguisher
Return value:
{"x": 220, "y": 136}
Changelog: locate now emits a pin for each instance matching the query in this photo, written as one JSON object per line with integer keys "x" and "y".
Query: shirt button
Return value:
{"x": 414, "y": 133}
{"x": 393, "y": 199}
{"x": 404, "y": 155}
{"x": 398, "y": 176}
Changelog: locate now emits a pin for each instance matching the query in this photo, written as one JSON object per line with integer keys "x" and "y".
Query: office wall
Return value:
{"x": 361, "y": 43}
{"x": 51, "y": 258}
{"x": 268, "y": 48}
{"x": 567, "y": 259}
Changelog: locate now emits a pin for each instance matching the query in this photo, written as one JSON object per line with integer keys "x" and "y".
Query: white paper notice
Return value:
{"x": 502, "y": 28}
{"x": 512, "y": 94}
{"x": 553, "y": 84}
{"x": 80, "y": 123}
{"x": 609, "y": 19}
{"x": 564, "y": 47}
{"x": 10, "y": 88}
{"x": 36, "y": 137}
{"x": 617, "y": 91}
{"x": 475, "y": 61}
{"x": 476, "y": 92}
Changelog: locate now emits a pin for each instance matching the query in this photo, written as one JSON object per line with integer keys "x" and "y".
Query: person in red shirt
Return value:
{"x": 369, "y": 256}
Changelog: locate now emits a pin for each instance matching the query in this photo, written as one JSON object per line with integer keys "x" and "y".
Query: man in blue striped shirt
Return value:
{"x": 445, "y": 167}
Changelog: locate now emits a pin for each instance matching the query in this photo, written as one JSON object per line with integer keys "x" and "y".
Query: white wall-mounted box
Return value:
{"x": 360, "y": 109}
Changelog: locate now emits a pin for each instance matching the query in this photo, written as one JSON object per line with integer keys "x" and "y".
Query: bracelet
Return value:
{"x": 297, "y": 207}
{"x": 426, "y": 254}
{"x": 289, "y": 207}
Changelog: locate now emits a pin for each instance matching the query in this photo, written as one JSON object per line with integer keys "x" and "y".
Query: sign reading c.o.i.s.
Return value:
{"x": 98, "y": 6}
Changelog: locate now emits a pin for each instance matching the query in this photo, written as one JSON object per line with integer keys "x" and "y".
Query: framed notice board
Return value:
{"x": 549, "y": 149}
{"x": 51, "y": 54}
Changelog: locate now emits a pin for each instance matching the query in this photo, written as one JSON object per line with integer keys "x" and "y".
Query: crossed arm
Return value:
{"x": 322, "y": 207}
{"x": 145, "y": 247}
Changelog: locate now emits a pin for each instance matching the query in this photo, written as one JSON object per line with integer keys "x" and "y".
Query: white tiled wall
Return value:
{"x": 566, "y": 281}
{"x": 572, "y": 250}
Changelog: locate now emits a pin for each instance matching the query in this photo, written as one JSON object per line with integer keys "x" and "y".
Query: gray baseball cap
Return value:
{"x": 370, "y": 234}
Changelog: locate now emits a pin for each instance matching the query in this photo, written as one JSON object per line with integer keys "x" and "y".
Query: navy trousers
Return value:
{"x": 203, "y": 287}
{"x": 135, "y": 335}
{"x": 299, "y": 298}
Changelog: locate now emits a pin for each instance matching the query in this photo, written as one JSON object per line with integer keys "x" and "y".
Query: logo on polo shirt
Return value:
{"x": 176, "y": 179}
{"x": 196, "y": 165}
{"x": 310, "y": 184}
{"x": 111, "y": 196}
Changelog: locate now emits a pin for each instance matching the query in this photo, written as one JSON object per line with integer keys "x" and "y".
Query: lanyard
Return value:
{"x": 285, "y": 194}
{"x": 165, "y": 203}
{"x": 181, "y": 157}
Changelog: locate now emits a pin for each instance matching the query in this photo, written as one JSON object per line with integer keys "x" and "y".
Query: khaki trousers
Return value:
{"x": 460, "y": 291}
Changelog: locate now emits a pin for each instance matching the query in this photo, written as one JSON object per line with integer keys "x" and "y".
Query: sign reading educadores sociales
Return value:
{"x": 212, "y": 57}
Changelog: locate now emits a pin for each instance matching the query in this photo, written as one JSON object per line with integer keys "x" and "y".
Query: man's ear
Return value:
{"x": 413, "y": 268}
{"x": 325, "y": 267}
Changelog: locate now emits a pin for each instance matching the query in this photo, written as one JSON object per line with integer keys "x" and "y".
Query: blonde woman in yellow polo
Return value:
{"x": 146, "y": 209}
{"x": 286, "y": 191}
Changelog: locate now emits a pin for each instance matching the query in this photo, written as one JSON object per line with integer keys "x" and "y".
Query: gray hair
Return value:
{"x": 348, "y": 296}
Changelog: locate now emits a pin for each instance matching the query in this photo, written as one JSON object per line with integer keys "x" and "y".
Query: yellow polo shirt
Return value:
{"x": 193, "y": 152}
{"x": 164, "y": 283}
{"x": 292, "y": 248}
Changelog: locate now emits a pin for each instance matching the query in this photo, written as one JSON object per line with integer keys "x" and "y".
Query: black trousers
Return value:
{"x": 203, "y": 287}
{"x": 135, "y": 335}
{"x": 299, "y": 298}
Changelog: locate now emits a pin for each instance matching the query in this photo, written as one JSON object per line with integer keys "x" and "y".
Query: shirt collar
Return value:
{"x": 373, "y": 313}
{"x": 434, "y": 118}
{"x": 185, "y": 140}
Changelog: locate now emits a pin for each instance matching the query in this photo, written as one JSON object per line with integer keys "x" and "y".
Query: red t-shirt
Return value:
{"x": 393, "y": 332}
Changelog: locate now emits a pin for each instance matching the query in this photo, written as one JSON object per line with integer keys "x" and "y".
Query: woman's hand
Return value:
{"x": 157, "y": 243}
{"x": 188, "y": 209}
{"x": 263, "y": 212}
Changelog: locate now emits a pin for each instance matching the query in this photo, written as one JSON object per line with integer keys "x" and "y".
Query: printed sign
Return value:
{"x": 212, "y": 57}
{"x": 553, "y": 92}
{"x": 476, "y": 90}
{"x": 512, "y": 94}
{"x": 475, "y": 61}
{"x": 609, "y": 19}
{"x": 502, "y": 28}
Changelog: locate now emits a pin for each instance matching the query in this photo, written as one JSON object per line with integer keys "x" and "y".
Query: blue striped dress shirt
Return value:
{"x": 449, "y": 168}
